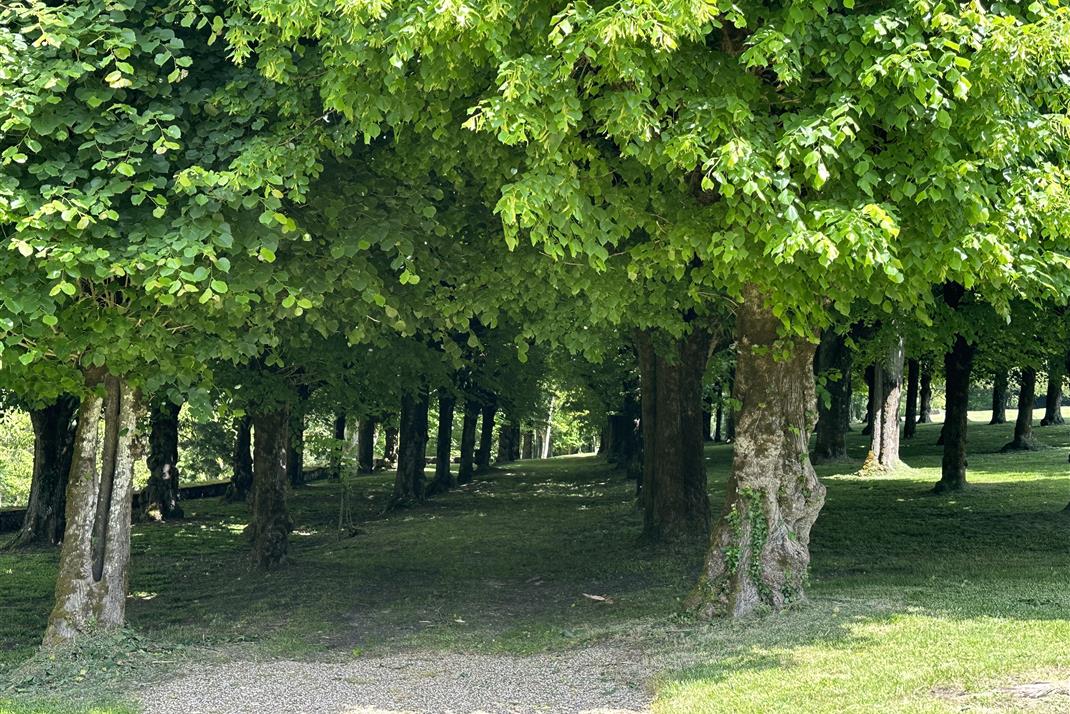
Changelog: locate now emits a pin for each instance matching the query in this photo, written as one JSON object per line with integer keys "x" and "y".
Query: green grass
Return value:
{"x": 918, "y": 602}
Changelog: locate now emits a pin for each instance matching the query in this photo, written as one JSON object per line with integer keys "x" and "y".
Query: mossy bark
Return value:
{"x": 759, "y": 551}
{"x": 486, "y": 437}
{"x": 468, "y": 441}
{"x": 999, "y": 397}
{"x": 241, "y": 478}
{"x": 53, "y": 448}
{"x": 886, "y": 392}
{"x": 444, "y": 443}
{"x": 958, "y": 366}
{"x": 832, "y": 363}
{"x": 910, "y": 417}
{"x": 271, "y": 525}
{"x": 366, "y": 445}
{"x": 412, "y": 452}
{"x": 1023, "y": 425}
{"x": 673, "y": 486}
{"x": 160, "y": 499}
{"x": 94, "y": 560}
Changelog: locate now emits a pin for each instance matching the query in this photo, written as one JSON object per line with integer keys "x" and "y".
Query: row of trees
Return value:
{"x": 268, "y": 203}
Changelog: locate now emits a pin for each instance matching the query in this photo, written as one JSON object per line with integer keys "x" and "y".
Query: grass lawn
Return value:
{"x": 918, "y": 603}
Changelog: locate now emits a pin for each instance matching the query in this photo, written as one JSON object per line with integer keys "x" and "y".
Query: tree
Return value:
{"x": 160, "y": 498}
{"x": 832, "y": 367}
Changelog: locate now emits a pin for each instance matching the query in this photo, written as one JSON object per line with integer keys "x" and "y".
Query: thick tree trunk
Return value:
{"x": 886, "y": 391}
{"x": 1023, "y": 425}
{"x": 271, "y": 525}
{"x": 673, "y": 489}
{"x": 390, "y": 446}
{"x": 241, "y": 479}
{"x": 508, "y": 442}
{"x": 870, "y": 377}
{"x": 999, "y": 397}
{"x": 160, "y": 499}
{"x": 444, "y": 444}
{"x": 53, "y": 447}
{"x": 832, "y": 362}
{"x": 759, "y": 552}
{"x": 910, "y": 421}
{"x": 958, "y": 365}
{"x": 412, "y": 454}
{"x": 468, "y": 441}
{"x": 366, "y": 445}
{"x": 94, "y": 560}
{"x": 486, "y": 438}
{"x": 339, "y": 445}
{"x": 528, "y": 449}
{"x": 925, "y": 396}
{"x": 1053, "y": 402}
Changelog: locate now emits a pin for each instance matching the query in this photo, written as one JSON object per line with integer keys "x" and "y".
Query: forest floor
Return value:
{"x": 529, "y": 591}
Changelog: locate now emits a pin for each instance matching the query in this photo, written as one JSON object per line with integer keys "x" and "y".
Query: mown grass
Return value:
{"x": 918, "y": 602}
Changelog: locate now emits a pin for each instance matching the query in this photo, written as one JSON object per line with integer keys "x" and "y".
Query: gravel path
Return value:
{"x": 600, "y": 680}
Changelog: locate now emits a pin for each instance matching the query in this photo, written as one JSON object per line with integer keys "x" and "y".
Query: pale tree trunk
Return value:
{"x": 832, "y": 362}
{"x": 468, "y": 441}
{"x": 271, "y": 525}
{"x": 366, "y": 445}
{"x": 759, "y": 552}
{"x": 1023, "y": 425}
{"x": 93, "y": 563}
{"x": 886, "y": 390}
{"x": 53, "y": 448}
{"x": 546, "y": 449}
{"x": 444, "y": 444}
{"x": 412, "y": 454}
{"x": 160, "y": 500}
{"x": 241, "y": 479}
{"x": 673, "y": 488}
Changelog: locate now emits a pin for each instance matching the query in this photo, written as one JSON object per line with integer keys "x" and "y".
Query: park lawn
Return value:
{"x": 918, "y": 602}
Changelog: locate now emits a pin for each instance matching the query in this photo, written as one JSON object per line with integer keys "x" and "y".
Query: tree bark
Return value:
{"x": 241, "y": 480}
{"x": 707, "y": 417}
{"x": 53, "y": 447}
{"x": 718, "y": 415}
{"x": 925, "y": 396}
{"x": 546, "y": 449}
{"x": 832, "y": 361}
{"x": 673, "y": 488}
{"x": 730, "y": 410}
{"x": 468, "y": 441}
{"x": 340, "y": 445}
{"x": 160, "y": 499}
{"x": 958, "y": 365}
{"x": 528, "y": 449}
{"x": 444, "y": 443}
{"x": 390, "y": 446}
{"x": 412, "y": 454}
{"x": 910, "y": 421}
{"x": 870, "y": 376}
{"x": 886, "y": 392}
{"x": 1053, "y": 401}
{"x": 295, "y": 455}
{"x": 508, "y": 442}
{"x": 1023, "y": 425}
{"x": 94, "y": 560}
{"x": 366, "y": 445}
{"x": 271, "y": 525}
{"x": 486, "y": 437}
{"x": 759, "y": 552}
{"x": 999, "y": 398}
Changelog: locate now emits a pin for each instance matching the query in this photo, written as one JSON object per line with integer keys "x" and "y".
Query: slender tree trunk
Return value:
{"x": 412, "y": 454}
{"x": 366, "y": 445}
{"x": 160, "y": 499}
{"x": 241, "y": 480}
{"x": 295, "y": 456}
{"x": 958, "y": 365}
{"x": 673, "y": 493}
{"x": 1023, "y": 426}
{"x": 707, "y": 417}
{"x": 870, "y": 376}
{"x": 718, "y": 415}
{"x": 53, "y": 447}
{"x": 528, "y": 450}
{"x": 95, "y": 557}
{"x": 910, "y": 421}
{"x": 468, "y": 441}
{"x": 547, "y": 446}
{"x": 1053, "y": 402}
{"x": 486, "y": 437}
{"x": 730, "y": 411}
{"x": 886, "y": 392}
{"x": 390, "y": 447}
{"x": 339, "y": 445}
{"x": 759, "y": 552}
{"x": 271, "y": 525}
{"x": 832, "y": 362}
{"x": 444, "y": 444}
{"x": 999, "y": 397}
{"x": 925, "y": 396}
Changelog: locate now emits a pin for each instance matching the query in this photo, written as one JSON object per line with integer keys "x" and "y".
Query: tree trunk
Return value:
{"x": 999, "y": 398}
{"x": 832, "y": 362}
{"x": 886, "y": 391}
{"x": 468, "y": 441}
{"x": 958, "y": 364}
{"x": 271, "y": 525}
{"x": 444, "y": 444}
{"x": 925, "y": 396}
{"x": 1053, "y": 402}
{"x": 241, "y": 480}
{"x": 366, "y": 445}
{"x": 730, "y": 412}
{"x": 707, "y": 417}
{"x": 340, "y": 445}
{"x": 528, "y": 449}
{"x": 718, "y": 416}
{"x": 508, "y": 438}
{"x": 870, "y": 376}
{"x": 546, "y": 449}
{"x": 160, "y": 499}
{"x": 673, "y": 489}
{"x": 295, "y": 456}
{"x": 910, "y": 422}
{"x": 390, "y": 447}
{"x": 1023, "y": 426}
{"x": 412, "y": 454}
{"x": 486, "y": 438}
{"x": 94, "y": 560}
{"x": 53, "y": 447}
{"x": 759, "y": 552}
